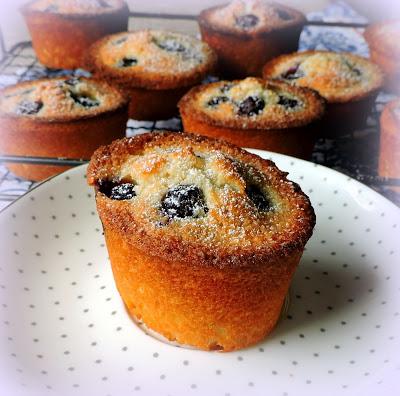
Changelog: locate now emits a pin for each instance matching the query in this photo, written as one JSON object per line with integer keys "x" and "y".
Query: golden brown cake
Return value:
{"x": 154, "y": 67}
{"x": 348, "y": 82}
{"x": 246, "y": 34}
{"x": 384, "y": 46}
{"x": 270, "y": 115}
{"x": 63, "y": 30}
{"x": 59, "y": 117}
{"x": 389, "y": 153}
{"x": 203, "y": 237}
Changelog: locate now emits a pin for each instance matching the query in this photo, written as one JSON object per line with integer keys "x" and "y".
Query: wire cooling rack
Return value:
{"x": 355, "y": 154}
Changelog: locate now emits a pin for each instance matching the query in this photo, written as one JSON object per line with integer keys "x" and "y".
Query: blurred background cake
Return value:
{"x": 384, "y": 46}
{"x": 245, "y": 34}
{"x": 269, "y": 115}
{"x": 155, "y": 68}
{"x": 60, "y": 117}
{"x": 63, "y": 30}
{"x": 348, "y": 82}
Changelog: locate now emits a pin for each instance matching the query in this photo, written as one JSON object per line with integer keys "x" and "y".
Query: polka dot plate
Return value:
{"x": 64, "y": 329}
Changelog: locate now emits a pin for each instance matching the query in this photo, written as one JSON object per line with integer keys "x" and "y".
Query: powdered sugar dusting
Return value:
{"x": 76, "y": 6}
{"x": 332, "y": 74}
{"x": 264, "y": 15}
{"x": 200, "y": 195}
{"x": 59, "y": 97}
{"x": 162, "y": 52}
{"x": 250, "y": 100}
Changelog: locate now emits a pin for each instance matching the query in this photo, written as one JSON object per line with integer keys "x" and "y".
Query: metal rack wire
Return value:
{"x": 355, "y": 154}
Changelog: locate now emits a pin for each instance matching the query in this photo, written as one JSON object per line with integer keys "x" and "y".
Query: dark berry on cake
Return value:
{"x": 247, "y": 21}
{"x": 287, "y": 102}
{"x": 258, "y": 198}
{"x": 28, "y": 107}
{"x": 251, "y": 106}
{"x": 127, "y": 62}
{"x": 119, "y": 191}
{"x": 183, "y": 201}
{"x": 216, "y": 100}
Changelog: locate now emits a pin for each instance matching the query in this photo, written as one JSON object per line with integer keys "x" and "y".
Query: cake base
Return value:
{"x": 152, "y": 104}
{"x": 62, "y": 41}
{"x": 297, "y": 142}
{"x": 344, "y": 118}
{"x": 240, "y": 57}
{"x": 78, "y": 139}
{"x": 159, "y": 337}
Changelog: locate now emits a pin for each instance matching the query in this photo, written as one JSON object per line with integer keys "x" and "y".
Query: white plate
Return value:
{"x": 64, "y": 330}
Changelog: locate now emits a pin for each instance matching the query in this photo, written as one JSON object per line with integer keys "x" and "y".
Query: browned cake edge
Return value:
{"x": 117, "y": 214}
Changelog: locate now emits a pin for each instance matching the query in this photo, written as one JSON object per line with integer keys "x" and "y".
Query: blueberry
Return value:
{"x": 216, "y": 100}
{"x": 258, "y": 198}
{"x": 247, "y": 21}
{"x": 127, "y": 62}
{"x": 119, "y": 191}
{"x": 84, "y": 100}
{"x": 356, "y": 71}
{"x": 183, "y": 201}
{"x": 284, "y": 15}
{"x": 293, "y": 73}
{"x": 103, "y": 4}
{"x": 28, "y": 107}
{"x": 72, "y": 81}
{"x": 120, "y": 40}
{"x": 225, "y": 88}
{"x": 123, "y": 191}
{"x": 286, "y": 102}
{"x": 251, "y": 106}
{"x": 170, "y": 45}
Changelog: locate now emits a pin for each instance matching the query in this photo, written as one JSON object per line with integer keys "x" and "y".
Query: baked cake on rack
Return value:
{"x": 246, "y": 34}
{"x": 348, "y": 82}
{"x": 155, "y": 68}
{"x": 264, "y": 114}
{"x": 389, "y": 149}
{"x": 384, "y": 49}
{"x": 63, "y": 30}
{"x": 59, "y": 117}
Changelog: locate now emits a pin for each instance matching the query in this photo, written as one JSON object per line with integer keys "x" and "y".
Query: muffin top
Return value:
{"x": 76, "y": 7}
{"x": 338, "y": 77}
{"x": 250, "y": 17}
{"x": 253, "y": 103}
{"x": 60, "y": 99}
{"x": 152, "y": 59}
{"x": 186, "y": 197}
{"x": 384, "y": 37}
